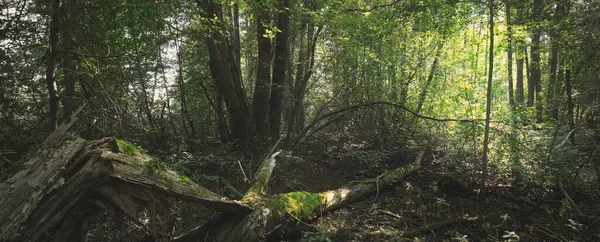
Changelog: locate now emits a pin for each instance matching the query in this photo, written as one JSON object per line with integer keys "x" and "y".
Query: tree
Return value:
{"x": 536, "y": 76}
{"x": 51, "y": 64}
{"x": 509, "y": 54}
{"x": 225, "y": 75}
{"x": 280, "y": 68}
{"x": 488, "y": 104}
{"x": 262, "y": 86}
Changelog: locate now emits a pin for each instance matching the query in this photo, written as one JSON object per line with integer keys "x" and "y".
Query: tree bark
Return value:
{"x": 182, "y": 91}
{"x": 225, "y": 75}
{"x": 262, "y": 87}
{"x": 70, "y": 57}
{"x": 530, "y": 82}
{"x": 509, "y": 54}
{"x": 66, "y": 172}
{"x": 554, "y": 85}
{"x": 436, "y": 61}
{"x": 488, "y": 104}
{"x": 536, "y": 78}
{"x": 570, "y": 105}
{"x": 520, "y": 90}
{"x": 51, "y": 64}
{"x": 304, "y": 70}
{"x": 280, "y": 69}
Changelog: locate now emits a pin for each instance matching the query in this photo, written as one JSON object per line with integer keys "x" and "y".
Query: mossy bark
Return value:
{"x": 66, "y": 172}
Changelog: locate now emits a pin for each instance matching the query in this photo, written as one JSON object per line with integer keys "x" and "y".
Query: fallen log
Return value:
{"x": 68, "y": 180}
{"x": 279, "y": 213}
{"x": 66, "y": 174}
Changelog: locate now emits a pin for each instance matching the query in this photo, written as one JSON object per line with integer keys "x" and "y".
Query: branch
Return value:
{"x": 316, "y": 120}
{"x": 261, "y": 179}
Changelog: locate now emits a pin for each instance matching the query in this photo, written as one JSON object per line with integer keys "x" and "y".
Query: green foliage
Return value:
{"x": 321, "y": 235}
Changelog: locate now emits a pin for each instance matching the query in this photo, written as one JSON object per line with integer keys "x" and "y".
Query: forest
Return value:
{"x": 299, "y": 120}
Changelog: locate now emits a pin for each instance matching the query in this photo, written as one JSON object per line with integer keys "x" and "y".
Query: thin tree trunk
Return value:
{"x": 51, "y": 64}
{"x": 509, "y": 53}
{"x": 570, "y": 105}
{"x": 551, "y": 104}
{"x": 514, "y": 157}
{"x": 436, "y": 61}
{"x": 69, "y": 59}
{"x": 520, "y": 90}
{"x": 536, "y": 77}
{"x": 184, "y": 105}
{"x": 488, "y": 105}
{"x": 167, "y": 95}
{"x": 554, "y": 85}
{"x": 295, "y": 89}
{"x": 235, "y": 36}
{"x": 530, "y": 81}
{"x": 280, "y": 65}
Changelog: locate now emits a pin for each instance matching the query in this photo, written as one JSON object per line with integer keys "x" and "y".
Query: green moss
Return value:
{"x": 154, "y": 167}
{"x": 184, "y": 178}
{"x": 299, "y": 204}
{"x": 129, "y": 147}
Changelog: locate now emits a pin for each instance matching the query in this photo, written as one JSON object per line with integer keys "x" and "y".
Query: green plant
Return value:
{"x": 320, "y": 235}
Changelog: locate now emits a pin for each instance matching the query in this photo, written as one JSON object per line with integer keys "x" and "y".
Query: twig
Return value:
{"x": 391, "y": 214}
{"x": 453, "y": 221}
{"x": 549, "y": 233}
{"x": 569, "y": 199}
{"x": 244, "y": 173}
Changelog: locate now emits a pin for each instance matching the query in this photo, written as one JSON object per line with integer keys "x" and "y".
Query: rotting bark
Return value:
{"x": 68, "y": 180}
{"x": 65, "y": 172}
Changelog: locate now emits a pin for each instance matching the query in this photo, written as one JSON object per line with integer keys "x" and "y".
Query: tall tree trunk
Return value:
{"x": 304, "y": 70}
{"x": 182, "y": 92}
{"x": 262, "y": 87}
{"x": 514, "y": 157}
{"x": 51, "y": 64}
{"x": 554, "y": 85}
{"x": 551, "y": 105}
{"x": 225, "y": 75}
{"x": 280, "y": 65}
{"x": 520, "y": 91}
{"x": 167, "y": 95}
{"x": 70, "y": 58}
{"x": 235, "y": 36}
{"x": 509, "y": 54}
{"x": 570, "y": 105}
{"x": 530, "y": 81}
{"x": 436, "y": 61}
{"x": 536, "y": 77}
{"x": 296, "y": 102}
{"x": 144, "y": 104}
{"x": 488, "y": 104}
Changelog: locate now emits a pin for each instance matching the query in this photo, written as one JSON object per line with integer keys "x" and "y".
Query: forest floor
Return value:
{"x": 426, "y": 197}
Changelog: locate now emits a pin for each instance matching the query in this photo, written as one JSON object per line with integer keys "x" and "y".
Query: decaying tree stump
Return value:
{"x": 68, "y": 180}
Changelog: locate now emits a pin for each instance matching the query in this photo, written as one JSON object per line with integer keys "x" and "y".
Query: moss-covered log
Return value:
{"x": 281, "y": 212}
{"x": 66, "y": 174}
